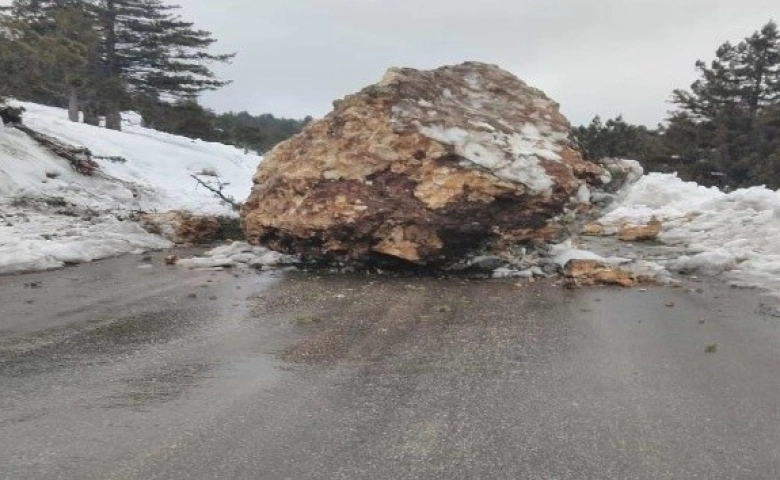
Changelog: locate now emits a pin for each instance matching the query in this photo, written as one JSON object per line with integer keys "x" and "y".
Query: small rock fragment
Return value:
{"x": 593, "y": 230}
{"x": 594, "y": 272}
{"x": 641, "y": 233}
{"x": 181, "y": 227}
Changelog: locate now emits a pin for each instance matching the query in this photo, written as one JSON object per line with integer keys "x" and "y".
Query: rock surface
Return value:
{"x": 594, "y": 229}
{"x": 422, "y": 168}
{"x": 182, "y": 227}
{"x": 594, "y": 272}
{"x": 641, "y": 233}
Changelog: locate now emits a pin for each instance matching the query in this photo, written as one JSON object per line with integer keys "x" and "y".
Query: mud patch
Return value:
{"x": 362, "y": 319}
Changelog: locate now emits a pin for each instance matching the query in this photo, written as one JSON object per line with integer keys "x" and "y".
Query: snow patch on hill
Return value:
{"x": 157, "y": 163}
{"x": 51, "y": 216}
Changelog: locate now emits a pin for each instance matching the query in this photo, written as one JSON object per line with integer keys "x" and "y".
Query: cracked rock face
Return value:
{"x": 422, "y": 168}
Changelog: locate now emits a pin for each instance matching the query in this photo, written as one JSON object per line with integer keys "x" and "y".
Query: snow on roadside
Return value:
{"x": 32, "y": 240}
{"x": 736, "y": 232}
{"x": 637, "y": 267}
{"x": 51, "y": 216}
{"x": 238, "y": 253}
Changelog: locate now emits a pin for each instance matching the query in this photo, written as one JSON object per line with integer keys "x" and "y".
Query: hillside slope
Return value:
{"x": 51, "y": 216}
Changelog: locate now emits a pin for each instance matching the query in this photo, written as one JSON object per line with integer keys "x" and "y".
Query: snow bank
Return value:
{"x": 738, "y": 232}
{"x": 32, "y": 240}
{"x": 51, "y": 216}
{"x": 565, "y": 252}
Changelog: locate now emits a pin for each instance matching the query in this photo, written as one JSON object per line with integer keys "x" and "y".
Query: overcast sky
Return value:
{"x": 593, "y": 56}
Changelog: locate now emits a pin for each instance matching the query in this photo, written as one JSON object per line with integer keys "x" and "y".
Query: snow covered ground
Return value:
{"x": 736, "y": 232}
{"x": 52, "y": 216}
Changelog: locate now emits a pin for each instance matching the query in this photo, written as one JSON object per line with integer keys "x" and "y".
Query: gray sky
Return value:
{"x": 593, "y": 56}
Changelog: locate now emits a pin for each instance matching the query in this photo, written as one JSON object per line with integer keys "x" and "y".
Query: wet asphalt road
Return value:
{"x": 127, "y": 369}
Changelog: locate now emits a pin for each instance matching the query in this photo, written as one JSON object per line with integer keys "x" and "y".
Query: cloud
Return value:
{"x": 606, "y": 57}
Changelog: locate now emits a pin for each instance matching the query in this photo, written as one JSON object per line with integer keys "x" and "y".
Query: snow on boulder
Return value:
{"x": 422, "y": 168}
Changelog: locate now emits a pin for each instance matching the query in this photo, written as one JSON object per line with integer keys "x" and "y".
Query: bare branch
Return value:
{"x": 216, "y": 187}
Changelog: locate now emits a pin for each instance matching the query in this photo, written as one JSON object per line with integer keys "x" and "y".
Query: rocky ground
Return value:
{"x": 127, "y": 368}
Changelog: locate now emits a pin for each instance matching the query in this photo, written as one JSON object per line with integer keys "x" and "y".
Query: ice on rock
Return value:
{"x": 527, "y": 147}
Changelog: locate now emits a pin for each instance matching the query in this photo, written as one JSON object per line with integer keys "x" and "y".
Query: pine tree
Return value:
{"x": 618, "y": 138}
{"x": 45, "y": 49}
{"x": 725, "y": 111}
{"x": 741, "y": 80}
{"x": 130, "y": 50}
{"x": 154, "y": 53}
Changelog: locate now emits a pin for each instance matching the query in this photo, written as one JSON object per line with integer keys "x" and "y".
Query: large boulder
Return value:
{"x": 422, "y": 168}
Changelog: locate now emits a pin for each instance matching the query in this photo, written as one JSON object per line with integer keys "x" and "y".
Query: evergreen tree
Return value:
{"x": 257, "y": 132}
{"x": 741, "y": 80}
{"x": 131, "y": 50}
{"x": 154, "y": 53}
{"x": 45, "y": 52}
{"x": 618, "y": 138}
{"x": 724, "y": 116}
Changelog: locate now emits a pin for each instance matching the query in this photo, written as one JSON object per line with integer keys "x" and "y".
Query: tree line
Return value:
{"x": 98, "y": 58}
{"x": 258, "y": 133}
{"x": 724, "y": 130}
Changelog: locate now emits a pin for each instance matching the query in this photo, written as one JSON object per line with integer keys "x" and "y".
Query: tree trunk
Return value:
{"x": 113, "y": 116}
{"x": 111, "y": 38}
{"x": 73, "y": 105}
{"x": 91, "y": 116}
{"x": 113, "y": 119}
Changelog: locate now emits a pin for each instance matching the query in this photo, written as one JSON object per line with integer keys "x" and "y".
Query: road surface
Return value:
{"x": 129, "y": 369}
